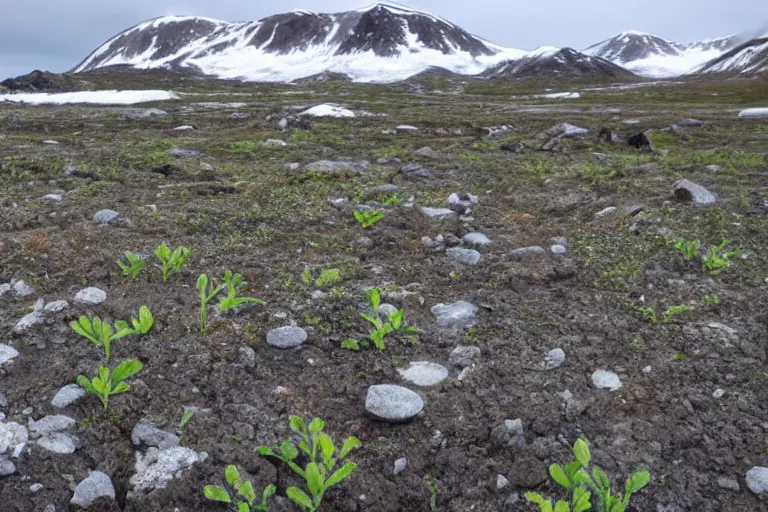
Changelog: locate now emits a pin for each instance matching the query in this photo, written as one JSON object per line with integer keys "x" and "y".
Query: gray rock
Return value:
{"x": 509, "y": 434}
{"x": 461, "y": 202}
{"x": 566, "y": 130}
{"x": 184, "y": 153}
{"x": 274, "y": 143}
{"x": 338, "y": 166}
{"x": 158, "y": 467}
{"x": 184, "y": 128}
{"x": 145, "y": 433}
{"x": 554, "y": 359}
{"x": 364, "y": 241}
{"x": 3, "y": 401}
{"x": 477, "y": 239}
{"x": 691, "y": 122}
{"x": 714, "y": 168}
{"x": 289, "y": 336}
{"x": 7, "y": 353}
{"x": 56, "y": 306}
{"x": 35, "y": 488}
{"x": 385, "y": 310}
{"x": 426, "y": 151}
{"x": 153, "y": 112}
{"x": 501, "y": 482}
{"x": 689, "y": 191}
{"x": 606, "y": 211}
{"x": 757, "y": 480}
{"x": 4, "y": 288}
{"x": 459, "y": 315}
{"x": 97, "y": 485}
{"x": 393, "y": 403}
{"x": 105, "y": 216}
{"x": 22, "y": 289}
{"x": 464, "y": 256}
{"x": 67, "y": 395}
{"x": 247, "y": 356}
{"x": 385, "y": 189}
{"x": 282, "y": 124}
{"x": 59, "y": 442}
{"x": 400, "y": 465}
{"x": 438, "y": 213}
{"x": 31, "y": 319}
{"x": 12, "y": 435}
{"x": 464, "y": 355}
{"x": 414, "y": 171}
{"x": 50, "y": 508}
{"x": 559, "y": 249}
{"x": 726, "y": 482}
{"x": 6, "y": 466}
{"x": 384, "y": 160}
{"x": 91, "y": 296}
{"x": 527, "y": 251}
{"x": 51, "y": 424}
{"x": 424, "y": 374}
{"x": 603, "y": 379}
{"x": 239, "y": 116}
{"x": 406, "y": 128}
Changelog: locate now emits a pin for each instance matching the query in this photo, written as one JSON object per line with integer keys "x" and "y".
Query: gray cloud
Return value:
{"x": 45, "y": 34}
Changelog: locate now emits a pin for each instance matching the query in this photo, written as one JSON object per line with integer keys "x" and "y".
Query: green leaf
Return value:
{"x": 126, "y": 369}
{"x": 121, "y": 387}
{"x": 84, "y": 383}
{"x": 314, "y": 480}
{"x": 99, "y": 386}
{"x": 232, "y": 476}
{"x": 243, "y": 507}
{"x": 299, "y": 497}
{"x": 601, "y": 479}
{"x": 163, "y": 252}
{"x": 396, "y": 319}
{"x": 350, "y": 444}
{"x": 269, "y": 491}
{"x": 562, "y": 506}
{"x": 572, "y": 468}
{"x": 265, "y": 451}
{"x": 638, "y": 481}
{"x": 375, "y": 321}
{"x": 216, "y": 493}
{"x": 558, "y": 475}
{"x": 581, "y": 451}
{"x": 340, "y": 475}
{"x": 247, "y": 492}
{"x": 202, "y": 284}
{"x": 351, "y": 344}
{"x": 374, "y": 296}
{"x": 534, "y": 497}
{"x": 618, "y": 507}
{"x": 327, "y": 449}
{"x": 316, "y": 425}
{"x": 288, "y": 450}
{"x": 583, "y": 503}
{"x": 298, "y": 425}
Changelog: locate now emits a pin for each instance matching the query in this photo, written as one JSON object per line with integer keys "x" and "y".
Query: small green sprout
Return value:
{"x": 306, "y": 277}
{"x": 431, "y": 482}
{"x": 369, "y": 217}
{"x": 688, "y": 248}
{"x": 674, "y": 311}
{"x": 351, "y": 344}
{"x": 134, "y": 265}
{"x": 141, "y": 325}
{"x": 323, "y": 456}
{"x": 717, "y": 259}
{"x": 585, "y": 485}
{"x": 188, "y": 413}
{"x": 395, "y": 322}
{"x": 647, "y": 314}
{"x": 244, "y": 490}
{"x": 206, "y": 295}
{"x": 710, "y": 300}
{"x": 98, "y": 331}
{"x": 328, "y": 277}
{"x": 109, "y": 383}
{"x": 172, "y": 261}
{"x": 233, "y": 282}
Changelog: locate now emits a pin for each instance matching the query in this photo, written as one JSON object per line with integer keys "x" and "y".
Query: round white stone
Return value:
{"x": 393, "y": 403}
{"x": 91, "y": 296}
{"x": 424, "y": 374}
{"x": 606, "y": 380}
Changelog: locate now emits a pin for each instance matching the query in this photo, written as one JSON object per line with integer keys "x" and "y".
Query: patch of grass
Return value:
{"x": 663, "y": 140}
{"x": 314, "y": 137}
{"x": 242, "y": 146}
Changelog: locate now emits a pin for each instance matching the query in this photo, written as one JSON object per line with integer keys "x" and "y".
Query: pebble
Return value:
{"x": 606, "y": 211}
{"x": 526, "y": 251}
{"x": 7, "y": 353}
{"x": 459, "y": 315}
{"x": 464, "y": 355}
{"x": 757, "y": 480}
{"x": 336, "y": 166}
{"x": 145, "y": 433}
{"x": 606, "y": 380}
{"x": 406, "y": 128}
{"x": 184, "y": 128}
{"x": 4, "y": 288}
{"x": 558, "y": 249}
{"x": 289, "y": 336}
{"x": 438, "y": 213}
{"x": 30, "y": 319}
{"x": 50, "y": 424}
{"x": 501, "y": 482}
{"x": 689, "y": 191}
{"x": 478, "y": 239}
{"x": 555, "y": 358}
{"x": 67, "y": 395}
{"x": 52, "y": 197}
{"x": 464, "y": 256}
{"x": 713, "y": 168}
{"x": 247, "y": 356}
{"x": 12, "y": 435}
{"x": 726, "y": 482}
{"x": 6, "y": 466}
{"x": 105, "y": 216}
{"x": 424, "y": 374}
{"x": 22, "y": 289}
{"x": 718, "y": 393}
{"x": 3, "y": 401}
{"x": 184, "y": 153}
{"x": 385, "y": 189}
{"x": 400, "y": 465}
{"x": 97, "y": 485}
{"x": 56, "y": 306}
{"x": 59, "y": 442}
{"x": 91, "y": 296}
{"x": 389, "y": 402}
{"x": 35, "y": 487}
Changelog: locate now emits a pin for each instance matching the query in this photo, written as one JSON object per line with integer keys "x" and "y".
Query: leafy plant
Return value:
{"x": 431, "y": 482}
{"x": 688, "y": 248}
{"x": 323, "y": 456}
{"x": 188, "y": 413}
{"x": 206, "y": 295}
{"x": 98, "y": 331}
{"x": 585, "y": 485}
{"x": 242, "y": 489}
{"x": 710, "y": 300}
{"x": 647, "y": 314}
{"x": 395, "y": 322}
{"x": 134, "y": 265}
{"x": 328, "y": 277}
{"x": 717, "y": 259}
{"x": 674, "y": 311}
{"x": 172, "y": 261}
{"x": 233, "y": 282}
{"x": 351, "y": 344}
{"x": 141, "y": 325}
{"x": 369, "y": 217}
{"x": 242, "y": 146}
{"x": 108, "y": 383}
{"x": 306, "y": 276}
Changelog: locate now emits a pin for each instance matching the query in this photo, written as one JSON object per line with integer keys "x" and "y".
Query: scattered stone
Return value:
{"x": 606, "y": 211}
{"x": 459, "y": 315}
{"x": 385, "y": 189}
{"x": 184, "y": 153}
{"x": 364, "y": 241}
{"x": 35, "y": 488}
{"x": 501, "y": 482}
{"x": 640, "y": 141}
{"x": 406, "y": 128}
{"x": 53, "y": 197}
{"x": 56, "y": 306}
{"x": 718, "y": 394}
{"x": 97, "y": 485}
{"x": 289, "y": 336}
{"x": 385, "y": 310}
{"x": 91, "y": 296}
{"x": 105, "y": 216}
{"x": 328, "y": 110}
{"x": 713, "y": 168}
{"x": 631, "y": 121}
{"x": 4, "y": 288}
{"x": 602, "y": 159}
{"x": 400, "y": 465}
{"x": 754, "y": 112}
{"x": 31, "y": 319}
{"x": 606, "y": 380}
{"x": 608, "y": 135}
{"x": 6, "y": 466}
{"x": 338, "y": 166}
{"x": 566, "y": 130}
{"x": 691, "y": 122}
{"x": 60, "y": 443}
{"x": 12, "y": 435}
{"x": 3, "y": 401}
{"x": 184, "y": 128}
{"x": 757, "y": 480}
{"x": 555, "y": 358}
{"x": 145, "y": 433}
{"x": 463, "y": 356}
{"x": 438, "y": 213}
{"x": 393, "y": 403}
{"x": 414, "y": 171}
{"x": 51, "y": 424}
{"x": 461, "y": 203}
{"x": 729, "y": 483}
{"x": 464, "y": 256}
{"x": 689, "y": 191}
{"x": 527, "y": 251}
{"x": 386, "y": 160}
{"x": 274, "y": 143}
{"x": 22, "y": 289}
{"x": 424, "y": 374}
{"x": 50, "y": 508}
{"x": 153, "y": 112}
{"x": 425, "y": 152}
{"x": 559, "y": 249}
{"x": 51, "y": 142}
{"x": 247, "y": 356}
{"x": 477, "y": 239}
{"x": 67, "y": 395}
{"x": 158, "y": 467}
{"x": 509, "y": 434}
{"x": 7, "y": 353}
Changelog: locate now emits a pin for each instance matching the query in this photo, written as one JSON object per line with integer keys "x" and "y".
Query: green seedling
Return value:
{"x": 328, "y": 277}
{"x": 134, "y": 265}
{"x": 395, "y": 322}
{"x": 233, "y": 282}
{"x": 323, "y": 456}
{"x": 674, "y": 311}
{"x": 172, "y": 261}
{"x": 98, "y": 331}
{"x": 431, "y": 482}
{"x": 688, "y": 248}
{"x": 647, "y": 314}
{"x": 306, "y": 277}
{"x": 206, "y": 295}
{"x": 587, "y": 485}
{"x": 717, "y": 259}
{"x": 351, "y": 344}
{"x": 245, "y": 496}
{"x": 710, "y": 300}
{"x": 188, "y": 413}
{"x": 369, "y": 217}
{"x": 109, "y": 383}
{"x": 141, "y": 325}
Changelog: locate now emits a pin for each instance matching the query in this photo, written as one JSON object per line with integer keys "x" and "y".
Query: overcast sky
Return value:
{"x": 56, "y": 35}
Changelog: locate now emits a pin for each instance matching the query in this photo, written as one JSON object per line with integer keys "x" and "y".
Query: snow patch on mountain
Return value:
{"x": 92, "y": 97}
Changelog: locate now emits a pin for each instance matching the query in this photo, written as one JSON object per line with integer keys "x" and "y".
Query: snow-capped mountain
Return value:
{"x": 566, "y": 61}
{"x": 653, "y": 56}
{"x": 381, "y": 43}
{"x": 750, "y": 58}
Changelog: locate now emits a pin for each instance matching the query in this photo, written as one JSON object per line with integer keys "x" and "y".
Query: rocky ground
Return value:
{"x": 531, "y": 240}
